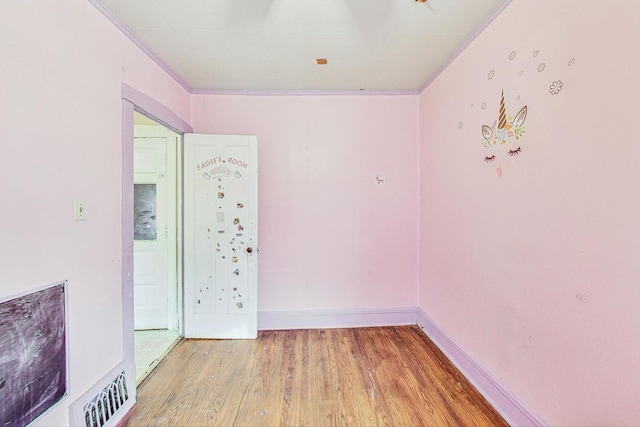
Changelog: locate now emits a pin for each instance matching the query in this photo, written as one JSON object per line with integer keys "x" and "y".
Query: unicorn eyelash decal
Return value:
{"x": 489, "y": 159}
{"x": 515, "y": 152}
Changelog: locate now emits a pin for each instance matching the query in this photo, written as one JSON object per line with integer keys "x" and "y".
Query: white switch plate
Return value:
{"x": 79, "y": 210}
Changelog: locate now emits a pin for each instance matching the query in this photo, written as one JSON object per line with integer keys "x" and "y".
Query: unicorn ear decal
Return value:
{"x": 520, "y": 117}
{"x": 486, "y": 132}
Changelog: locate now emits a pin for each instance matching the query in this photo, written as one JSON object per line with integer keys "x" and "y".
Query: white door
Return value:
{"x": 150, "y": 256}
{"x": 220, "y": 236}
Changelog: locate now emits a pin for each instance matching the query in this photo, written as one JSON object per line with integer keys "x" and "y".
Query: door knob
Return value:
{"x": 249, "y": 250}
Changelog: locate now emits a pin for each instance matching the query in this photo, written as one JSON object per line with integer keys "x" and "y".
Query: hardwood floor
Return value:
{"x": 391, "y": 376}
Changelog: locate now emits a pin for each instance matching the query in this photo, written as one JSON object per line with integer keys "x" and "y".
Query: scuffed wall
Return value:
{"x": 529, "y": 216}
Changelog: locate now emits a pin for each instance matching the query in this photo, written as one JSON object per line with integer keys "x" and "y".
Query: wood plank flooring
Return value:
{"x": 390, "y": 376}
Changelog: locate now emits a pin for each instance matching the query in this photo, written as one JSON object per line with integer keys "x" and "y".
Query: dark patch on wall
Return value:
{"x": 33, "y": 359}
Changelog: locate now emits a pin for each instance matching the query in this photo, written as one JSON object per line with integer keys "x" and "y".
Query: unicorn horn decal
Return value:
{"x": 504, "y": 128}
{"x": 502, "y": 118}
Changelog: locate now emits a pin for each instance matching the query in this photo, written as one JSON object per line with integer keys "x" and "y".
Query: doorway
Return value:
{"x": 135, "y": 101}
{"x": 156, "y": 264}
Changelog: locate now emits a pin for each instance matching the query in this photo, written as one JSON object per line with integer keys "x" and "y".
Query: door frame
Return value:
{"x": 134, "y": 100}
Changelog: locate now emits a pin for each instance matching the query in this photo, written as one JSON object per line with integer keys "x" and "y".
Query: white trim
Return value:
{"x": 317, "y": 319}
{"x": 506, "y": 403}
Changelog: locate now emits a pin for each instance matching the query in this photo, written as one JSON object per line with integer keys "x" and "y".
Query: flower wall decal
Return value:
{"x": 555, "y": 87}
{"x": 503, "y": 135}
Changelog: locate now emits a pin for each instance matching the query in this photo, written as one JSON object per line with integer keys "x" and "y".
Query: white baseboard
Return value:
{"x": 515, "y": 412}
{"x": 317, "y": 319}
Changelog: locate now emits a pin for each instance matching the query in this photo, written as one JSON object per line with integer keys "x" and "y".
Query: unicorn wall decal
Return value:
{"x": 503, "y": 130}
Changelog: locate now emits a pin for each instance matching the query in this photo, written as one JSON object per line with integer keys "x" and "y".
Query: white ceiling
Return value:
{"x": 272, "y": 45}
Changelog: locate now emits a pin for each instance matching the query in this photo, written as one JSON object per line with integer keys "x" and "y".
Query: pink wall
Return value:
{"x": 329, "y": 237}
{"x": 536, "y": 273}
{"x": 533, "y": 272}
{"x": 60, "y": 139}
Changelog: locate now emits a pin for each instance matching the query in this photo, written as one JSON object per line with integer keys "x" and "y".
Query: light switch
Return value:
{"x": 79, "y": 210}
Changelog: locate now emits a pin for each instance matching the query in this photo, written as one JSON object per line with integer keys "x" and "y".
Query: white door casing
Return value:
{"x": 220, "y": 236}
